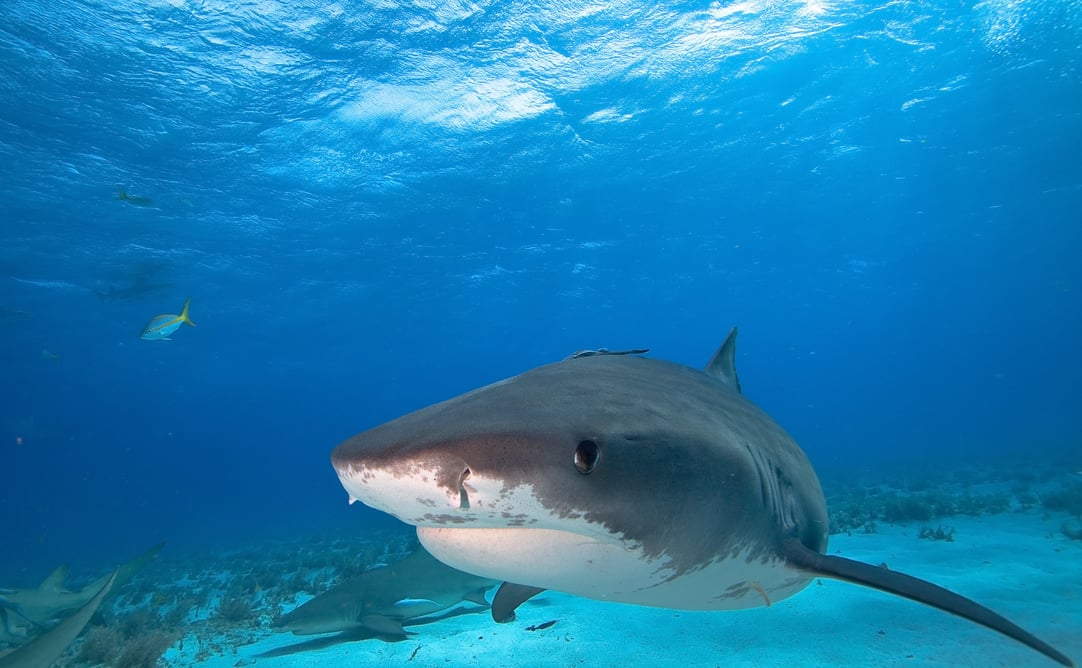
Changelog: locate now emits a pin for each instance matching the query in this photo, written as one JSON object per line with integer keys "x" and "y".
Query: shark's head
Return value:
{"x": 592, "y": 476}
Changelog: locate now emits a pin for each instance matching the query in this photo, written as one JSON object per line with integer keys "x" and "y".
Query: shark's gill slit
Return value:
{"x": 764, "y": 492}
{"x": 463, "y": 496}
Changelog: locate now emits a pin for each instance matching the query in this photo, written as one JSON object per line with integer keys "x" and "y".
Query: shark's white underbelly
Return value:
{"x": 585, "y": 566}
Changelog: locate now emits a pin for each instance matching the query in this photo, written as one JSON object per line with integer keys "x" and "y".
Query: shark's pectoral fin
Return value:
{"x": 390, "y": 626}
{"x": 9, "y": 629}
{"x": 10, "y": 633}
{"x": 922, "y": 591}
{"x": 508, "y": 597}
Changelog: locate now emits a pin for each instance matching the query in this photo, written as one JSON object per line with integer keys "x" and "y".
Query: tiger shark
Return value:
{"x": 620, "y": 478}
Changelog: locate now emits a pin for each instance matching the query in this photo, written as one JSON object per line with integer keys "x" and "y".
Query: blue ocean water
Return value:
{"x": 376, "y": 206}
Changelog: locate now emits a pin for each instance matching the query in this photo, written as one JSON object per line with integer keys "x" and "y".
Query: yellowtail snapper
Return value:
{"x": 161, "y": 326}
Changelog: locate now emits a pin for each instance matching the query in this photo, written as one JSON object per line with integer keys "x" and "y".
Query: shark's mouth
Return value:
{"x": 427, "y": 497}
{"x": 413, "y": 493}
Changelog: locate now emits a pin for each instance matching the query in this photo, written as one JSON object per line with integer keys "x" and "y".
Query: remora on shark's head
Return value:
{"x": 619, "y": 478}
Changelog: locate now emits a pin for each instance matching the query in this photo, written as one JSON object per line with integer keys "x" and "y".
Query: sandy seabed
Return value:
{"x": 1018, "y": 564}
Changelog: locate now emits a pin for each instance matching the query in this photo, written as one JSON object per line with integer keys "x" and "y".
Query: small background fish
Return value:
{"x": 137, "y": 200}
{"x": 161, "y": 326}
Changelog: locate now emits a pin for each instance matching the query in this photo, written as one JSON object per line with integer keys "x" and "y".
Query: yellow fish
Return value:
{"x": 161, "y": 326}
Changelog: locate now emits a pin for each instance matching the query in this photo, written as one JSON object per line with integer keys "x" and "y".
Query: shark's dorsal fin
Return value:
{"x": 55, "y": 581}
{"x": 723, "y": 365}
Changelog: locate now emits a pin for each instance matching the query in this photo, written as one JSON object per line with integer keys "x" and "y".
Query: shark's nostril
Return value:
{"x": 463, "y": 496}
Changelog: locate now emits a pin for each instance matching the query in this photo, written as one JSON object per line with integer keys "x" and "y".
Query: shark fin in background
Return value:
{"x": 42, "y": 651}
{"x": 55, "y": 581}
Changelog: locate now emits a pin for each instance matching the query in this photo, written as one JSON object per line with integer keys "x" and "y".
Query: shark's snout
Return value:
{"x": 420, "y": 485}
{"x": 410, "y": 487}
{"x": 450, "y": 483}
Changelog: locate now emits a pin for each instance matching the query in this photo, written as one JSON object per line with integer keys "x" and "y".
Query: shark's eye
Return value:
{"x": 586, "y": 456}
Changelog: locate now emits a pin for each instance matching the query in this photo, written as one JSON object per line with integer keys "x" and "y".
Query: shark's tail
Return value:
{"x": 915, "y": 589}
